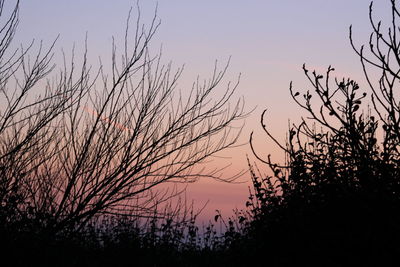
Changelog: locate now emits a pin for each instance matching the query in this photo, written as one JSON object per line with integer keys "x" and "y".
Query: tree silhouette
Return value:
{"x": 85, "y": 142}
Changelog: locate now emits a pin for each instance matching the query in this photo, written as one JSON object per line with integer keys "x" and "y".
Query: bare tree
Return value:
{"x": 98, "y": 143}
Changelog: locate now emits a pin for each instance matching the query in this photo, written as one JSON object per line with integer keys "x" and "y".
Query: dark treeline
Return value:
{"x": 334, "y": 202}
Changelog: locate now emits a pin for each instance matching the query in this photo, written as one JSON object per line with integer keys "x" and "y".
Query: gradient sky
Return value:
{"x": 268, "y": 41}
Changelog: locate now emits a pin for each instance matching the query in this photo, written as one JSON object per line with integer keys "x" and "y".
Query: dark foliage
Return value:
{"x": 336, "y": 200}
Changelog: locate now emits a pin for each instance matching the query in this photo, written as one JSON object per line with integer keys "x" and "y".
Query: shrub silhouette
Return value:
{"x": 335, "y": 202}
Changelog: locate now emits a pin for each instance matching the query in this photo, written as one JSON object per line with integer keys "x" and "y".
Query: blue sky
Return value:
{"x": 268, "y": 40}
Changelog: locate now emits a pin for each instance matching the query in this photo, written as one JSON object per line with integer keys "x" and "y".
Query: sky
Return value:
{"x": 267, "y": 40}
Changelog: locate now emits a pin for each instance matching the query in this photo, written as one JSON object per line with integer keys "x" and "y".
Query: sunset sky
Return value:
{"x": 267, "y": 40}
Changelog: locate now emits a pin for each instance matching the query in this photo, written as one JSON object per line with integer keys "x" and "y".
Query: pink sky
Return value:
{"x": 268, "y": 42}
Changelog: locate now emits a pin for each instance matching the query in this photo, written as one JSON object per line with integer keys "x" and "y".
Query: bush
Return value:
{"x": 336, "y": 200}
